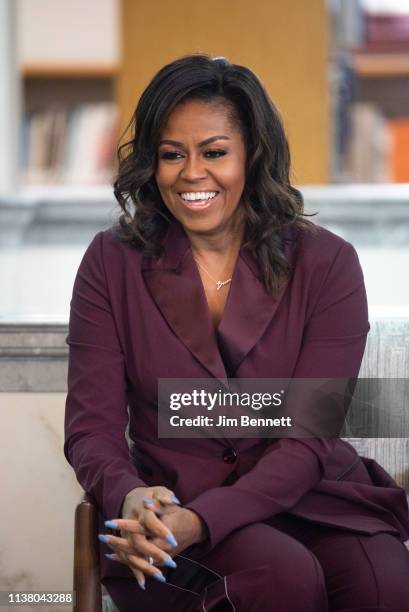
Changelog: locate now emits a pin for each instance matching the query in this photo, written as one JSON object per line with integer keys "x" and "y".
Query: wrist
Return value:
{"x": 131, "y": 500}
{"x": 199, "y": 526}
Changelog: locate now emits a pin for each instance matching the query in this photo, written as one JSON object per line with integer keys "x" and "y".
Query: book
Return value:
{"x": 70, "y": 146}
{"x": 399, "y": 129}
{"x": 387, "y": 27}
{"x": 368, "y": 153}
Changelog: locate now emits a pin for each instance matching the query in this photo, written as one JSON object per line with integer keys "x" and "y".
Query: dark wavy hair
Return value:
{"x": 270, "y": 202}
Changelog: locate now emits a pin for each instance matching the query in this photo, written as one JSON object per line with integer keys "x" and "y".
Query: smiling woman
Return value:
{"x": 213, "y": 129}
{"x": 212, "y": 271}
{"x": 201, "y": 185}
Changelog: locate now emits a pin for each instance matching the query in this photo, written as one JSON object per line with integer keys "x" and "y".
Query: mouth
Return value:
{"x": 197, "y": 200}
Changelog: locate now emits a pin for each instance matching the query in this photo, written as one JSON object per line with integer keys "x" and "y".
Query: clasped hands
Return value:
{"x": 154, "y": 528}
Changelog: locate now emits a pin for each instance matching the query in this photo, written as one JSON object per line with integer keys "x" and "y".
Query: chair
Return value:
{"x": 386, "y": 355}
{"x": 90, "y": 595}
{"x": 87, "y": 585}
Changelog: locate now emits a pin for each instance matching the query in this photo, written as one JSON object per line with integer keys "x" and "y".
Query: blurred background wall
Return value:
{"x": 270, "y": 38}
{"x": 337, "y": 69}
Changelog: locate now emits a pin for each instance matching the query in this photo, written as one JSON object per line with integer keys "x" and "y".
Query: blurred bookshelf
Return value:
{"x": 370, "y": 61}
{"x": 380, "y": 65}
{"x": 69, "y": 127}
{"x": 69, "y": 71}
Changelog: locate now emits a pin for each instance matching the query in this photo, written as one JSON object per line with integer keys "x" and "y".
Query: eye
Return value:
{"x": 169, "y": 155}
{"x": 215, "y": 153}
{"x": 175, "y": 155}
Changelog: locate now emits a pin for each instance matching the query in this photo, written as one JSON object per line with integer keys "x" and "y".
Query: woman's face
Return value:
{"x": 201, "y": 167}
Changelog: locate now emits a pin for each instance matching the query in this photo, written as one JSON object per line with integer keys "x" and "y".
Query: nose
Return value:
{"x": 193, "y": 168}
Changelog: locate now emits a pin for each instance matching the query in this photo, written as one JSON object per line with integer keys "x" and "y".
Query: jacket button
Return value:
{"x": 229, "y": 455}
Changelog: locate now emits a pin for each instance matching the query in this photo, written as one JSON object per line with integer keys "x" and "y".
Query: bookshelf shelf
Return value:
{"x": 70, "y": 122}
{"x": 381, "y": 65}
{"x": 69, "y": 112}
{"x": 48, "y": 71}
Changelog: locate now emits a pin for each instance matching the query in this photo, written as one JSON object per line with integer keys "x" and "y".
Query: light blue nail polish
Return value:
{"x": 169, "y": 562}
{"x": 171, "y": 539}
{"x": 103, "y": 538}
{"x": 142, "y": 585}
{"x": 159, "y": 577}
{"x": 175, "y": 499}
{"x": 147, "y": 500}
{"x": 111, "y": 556}
{"x": 111, "y": 524}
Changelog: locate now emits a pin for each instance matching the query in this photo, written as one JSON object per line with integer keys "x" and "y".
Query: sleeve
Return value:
{"x": 96, "y": 405}
{"x": 333, "y": 345}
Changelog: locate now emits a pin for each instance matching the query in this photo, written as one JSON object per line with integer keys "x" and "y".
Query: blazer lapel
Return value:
{"x": 249, "y": 309}
{"x": 175, "y": 285}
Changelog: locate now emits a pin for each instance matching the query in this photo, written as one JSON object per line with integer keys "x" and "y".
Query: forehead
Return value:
{"x": 199, "y": 117}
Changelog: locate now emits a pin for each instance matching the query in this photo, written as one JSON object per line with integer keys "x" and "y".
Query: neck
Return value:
{"x": 225, "y": 242}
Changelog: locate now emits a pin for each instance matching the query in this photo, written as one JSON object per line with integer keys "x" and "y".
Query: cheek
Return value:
{"x": 234, "y": 176}
{"x": 235, "y": 181}
{"x": 163, "y": 177}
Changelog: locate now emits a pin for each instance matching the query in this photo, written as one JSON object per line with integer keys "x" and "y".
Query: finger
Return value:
{"x": 155, "y": 527}
{"x": 149, "y": 503}
{"x": 140, "y": 564}
{"x": 119, "y": 557}
{"x": 149, "y": 524}
{"x": 114, "y": 557}
{"x": 137, "y": 543}
{"x": 118, "y": 544}
{"x": 147, "y": 548}
{"x": 139, "y": 575}
{"x": 131, "y": 525}
{"x": 157, "y": 497}
{"x": 165, "y": 546}
{"x": 165, "y": 496}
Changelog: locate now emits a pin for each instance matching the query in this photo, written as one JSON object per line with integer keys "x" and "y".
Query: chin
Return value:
{"x": 201, "y": 226}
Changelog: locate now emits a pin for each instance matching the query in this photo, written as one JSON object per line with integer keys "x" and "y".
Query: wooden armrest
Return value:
{"x": 87, "y": 585}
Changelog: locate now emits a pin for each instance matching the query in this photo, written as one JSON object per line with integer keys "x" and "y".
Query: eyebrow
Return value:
{"x": 201, "y": 144}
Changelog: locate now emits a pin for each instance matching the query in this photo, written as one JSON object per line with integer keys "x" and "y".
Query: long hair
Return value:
{"x": 270, "y": 202}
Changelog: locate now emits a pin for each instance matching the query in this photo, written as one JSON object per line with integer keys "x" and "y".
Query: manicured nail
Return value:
{"x": 111, "y": 556}
{"x": 142, "y": 585}
{"x": 111, "y": 525}
{"x": 171, "y": 539}
{"x": 169, "y": 562}
{"x": 159, "y": 577}
{"x": 175, "y": 499}
{"x": 103, "y": 538}
{"x": 148, "y": 501}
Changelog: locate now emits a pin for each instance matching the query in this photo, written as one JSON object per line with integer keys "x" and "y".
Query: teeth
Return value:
{"x": 191, "y": 196}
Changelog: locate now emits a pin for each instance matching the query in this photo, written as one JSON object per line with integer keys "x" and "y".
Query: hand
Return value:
{"x": 187, "y": 527}
{"x": 138, "y": 525}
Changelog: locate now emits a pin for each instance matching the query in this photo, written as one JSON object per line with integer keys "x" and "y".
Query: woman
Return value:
{"x": 213, "y": 271}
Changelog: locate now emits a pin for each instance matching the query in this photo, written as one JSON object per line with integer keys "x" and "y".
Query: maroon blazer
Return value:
{"x": 135, "y": 319}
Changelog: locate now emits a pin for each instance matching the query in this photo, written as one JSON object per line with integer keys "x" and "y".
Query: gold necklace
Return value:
{"x": 219, "y": 283}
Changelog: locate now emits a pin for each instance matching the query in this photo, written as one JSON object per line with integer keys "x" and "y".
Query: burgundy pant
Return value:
{"x": 287, "y": 565}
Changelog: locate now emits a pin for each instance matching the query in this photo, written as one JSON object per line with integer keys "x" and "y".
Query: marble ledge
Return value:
{"x": 34, "y": 354}
{"x": 363, "y": 214}
{"x": 33, "y": 357}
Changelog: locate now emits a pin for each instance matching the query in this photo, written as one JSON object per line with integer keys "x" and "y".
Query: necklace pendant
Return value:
{"x": 220, "y": 284}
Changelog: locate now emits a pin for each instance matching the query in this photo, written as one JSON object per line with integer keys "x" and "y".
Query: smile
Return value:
{"x": 197, "y": 199}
